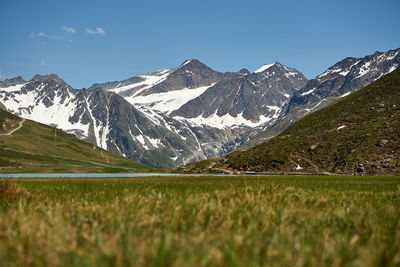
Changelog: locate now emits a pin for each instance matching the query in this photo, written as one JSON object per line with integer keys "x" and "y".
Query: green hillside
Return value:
{"x": 359, "y": 134}
{"x": 28, "y": 146}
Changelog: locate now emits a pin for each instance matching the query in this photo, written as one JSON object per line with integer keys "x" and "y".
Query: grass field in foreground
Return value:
{"x": 201, "y": 221}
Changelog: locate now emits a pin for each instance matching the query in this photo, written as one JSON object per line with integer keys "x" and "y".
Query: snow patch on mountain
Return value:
{"x": 57, "y": 114}
{"x": 364, "y": 69}
{"x": 392, "y": 56}
{"x": 14, "y": 88}
{"x": 139, "y": 137}
{"x": 392, "y": 68}
{"x": 185, "y": 63}
{"x": 94, "y": 123}
{"x": 308, "y": 92}
{"x": 105, "y": 130}
{"x": 225, "y": 121}
{"x": 167, "y": 102}
{"x": 345, "y": 94}
{"x": 275, "y": 108}
{"x": 156, "y": 143}
{"x": 308, "y": 110}
{"x": 150, "y": 80}
{"x": 264, "y": 68}
{"x": 329, "y": 71}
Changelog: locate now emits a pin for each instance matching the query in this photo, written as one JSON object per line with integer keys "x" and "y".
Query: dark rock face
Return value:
{"x": 245, "y": 94}
{"x": 346, "y": 76}
{"x": 12, "y": 82}
{"x": 191, "y": 74}
{"x": 249, "y": 94}
{"x": 110, "y": 85}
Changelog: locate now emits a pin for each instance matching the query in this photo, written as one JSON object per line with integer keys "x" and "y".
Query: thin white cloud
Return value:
{"x": 68, "y": 29}
{"x": 42, "y": 63}
{"x": 43, "y": 35}
{"x": 40, "y": 34}
{"x": 97, "y": 31}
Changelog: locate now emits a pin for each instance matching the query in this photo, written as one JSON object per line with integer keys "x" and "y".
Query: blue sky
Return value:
{"x": 96, "y": 41}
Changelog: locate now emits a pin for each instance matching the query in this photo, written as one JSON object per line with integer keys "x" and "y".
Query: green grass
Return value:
{"x": 34, "y": 148}
{"x": 202, "y": 221}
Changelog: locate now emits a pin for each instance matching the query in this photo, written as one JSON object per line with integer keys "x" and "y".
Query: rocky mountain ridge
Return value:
{"x": 339, "y": 80}
{"x": 174, "y": 116}
{"x": 356, "y": 135}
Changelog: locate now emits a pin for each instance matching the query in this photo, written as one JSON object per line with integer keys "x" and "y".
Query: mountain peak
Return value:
{"x": 18, "y": 78}
{"x": 192, "y": 63}
{"x": 12, "y": 81}
{"x": 244, "y": 71}
{"x": 52, "y": 76}
{"x": 266, "y": 66}
{"x": 192, "y": 66}
{"x": 187, "y": 61}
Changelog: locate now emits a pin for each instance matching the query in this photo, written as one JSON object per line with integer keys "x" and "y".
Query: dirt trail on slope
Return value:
{"x": 16, "y": 129}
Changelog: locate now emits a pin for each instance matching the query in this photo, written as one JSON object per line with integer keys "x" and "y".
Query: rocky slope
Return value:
{"x": 359, "y": 134}
{"x": 226, "y": 105}
{"x": 344, "y": 77}
{"x": 109, "y": 121}
{"x": 256, "y": 97}
{"x": 190, "y": 132}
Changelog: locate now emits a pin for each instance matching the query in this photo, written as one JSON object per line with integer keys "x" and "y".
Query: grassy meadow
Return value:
{"x": 201, "y": 221}
{"x": 37, "y": 148}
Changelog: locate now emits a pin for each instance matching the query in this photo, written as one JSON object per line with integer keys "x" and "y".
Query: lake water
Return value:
{"x": 92, "y": 175}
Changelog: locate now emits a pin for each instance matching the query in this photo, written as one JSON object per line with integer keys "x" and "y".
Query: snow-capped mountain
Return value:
{"x": 168, "y": 89}
{"x": 248, "y": 99}
{"x": 109, "y": 121}
{"x": 154, "y": 117}
{"x": 345, "y": 77}
{"x": 174, "y": 116}
{"x": 339, "y": 80}
{"x": 49, "y": 100}
{"x": 224, "y": 102}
